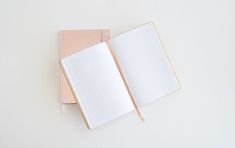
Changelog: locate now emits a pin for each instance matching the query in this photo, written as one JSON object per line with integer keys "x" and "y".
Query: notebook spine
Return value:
{"x": 124, "y": 80}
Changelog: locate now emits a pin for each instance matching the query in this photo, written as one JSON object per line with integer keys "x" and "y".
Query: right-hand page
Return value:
{"x": 144, "y": 64}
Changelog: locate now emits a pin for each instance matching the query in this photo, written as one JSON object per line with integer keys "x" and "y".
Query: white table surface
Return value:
{"x": 199, "y": 37}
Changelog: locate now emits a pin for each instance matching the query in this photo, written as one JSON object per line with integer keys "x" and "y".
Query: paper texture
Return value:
{"x": 144, "y": 64}
{"x": 97, "y": 85}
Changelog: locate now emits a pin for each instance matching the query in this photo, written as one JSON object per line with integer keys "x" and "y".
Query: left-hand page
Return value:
{"x": 73, "y": 41}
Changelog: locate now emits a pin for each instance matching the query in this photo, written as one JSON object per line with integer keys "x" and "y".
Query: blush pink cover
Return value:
{"x": 73, "y": 41}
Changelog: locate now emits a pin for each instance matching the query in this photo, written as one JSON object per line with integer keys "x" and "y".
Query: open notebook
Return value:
{"x": 105, "y": 77}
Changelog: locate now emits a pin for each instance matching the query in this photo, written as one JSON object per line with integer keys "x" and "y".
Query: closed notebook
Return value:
{"x": 73, "y": 41}
{"x": 105, "y": 78}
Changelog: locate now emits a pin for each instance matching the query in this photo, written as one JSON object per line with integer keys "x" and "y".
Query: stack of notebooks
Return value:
{"x": 109, "y": 77}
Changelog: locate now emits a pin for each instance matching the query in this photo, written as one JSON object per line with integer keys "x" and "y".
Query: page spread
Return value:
{"x": 102, "y": 83}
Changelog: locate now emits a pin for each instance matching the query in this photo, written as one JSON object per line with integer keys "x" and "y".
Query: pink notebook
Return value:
{"x": 73, "y": 41}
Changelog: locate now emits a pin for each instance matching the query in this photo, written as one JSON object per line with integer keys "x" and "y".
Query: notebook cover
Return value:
{"x": 73, "y": 41}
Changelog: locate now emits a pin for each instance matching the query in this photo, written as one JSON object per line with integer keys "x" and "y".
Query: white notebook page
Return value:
{"x": 144, "y": 64}
{"x": 97, "y": 84}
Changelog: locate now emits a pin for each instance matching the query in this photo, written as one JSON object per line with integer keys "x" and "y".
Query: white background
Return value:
{"x": 199, "y": 37}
